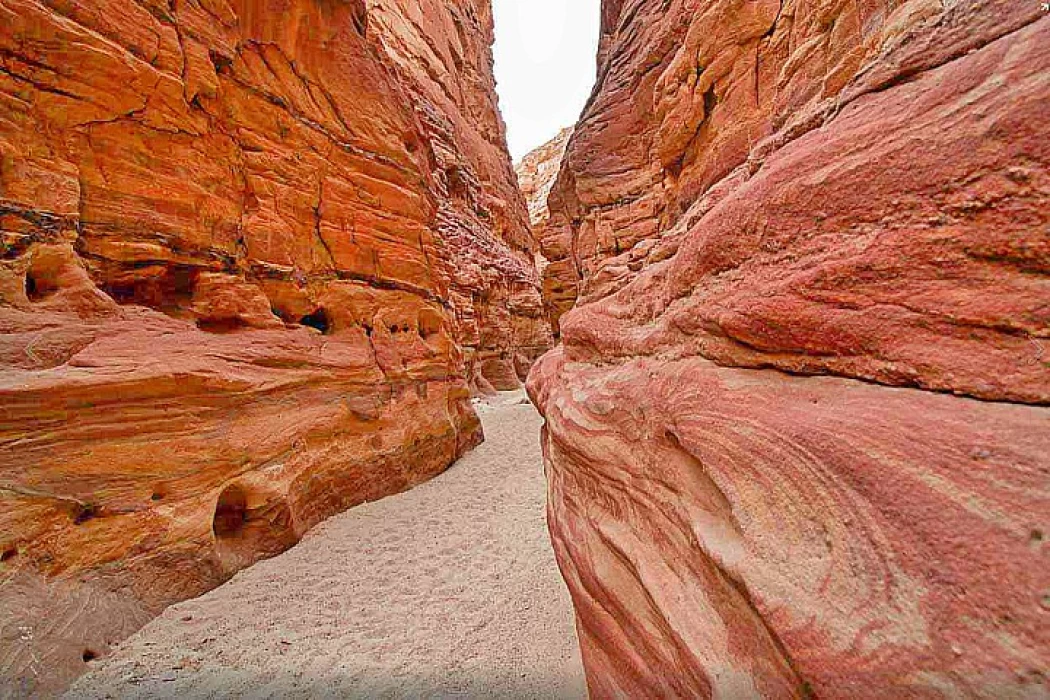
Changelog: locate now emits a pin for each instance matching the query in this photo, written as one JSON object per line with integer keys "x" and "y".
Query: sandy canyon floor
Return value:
{"x": 449, "y": 590}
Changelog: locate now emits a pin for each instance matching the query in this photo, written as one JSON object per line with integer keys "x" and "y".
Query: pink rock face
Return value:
{"x": 247, "y": 259}
{"x": 797, "y": 434}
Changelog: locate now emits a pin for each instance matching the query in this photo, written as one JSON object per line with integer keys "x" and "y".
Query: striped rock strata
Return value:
{"x": 232, "y": 298}
{"x": 798, "y": 433}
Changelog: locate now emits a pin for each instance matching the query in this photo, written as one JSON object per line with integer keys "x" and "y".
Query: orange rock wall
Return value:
{"x": 231, "y": 299}
{"x": 444, "y": 50}
{"x": 797, "y": 431}
{"x": 537, "y": 173}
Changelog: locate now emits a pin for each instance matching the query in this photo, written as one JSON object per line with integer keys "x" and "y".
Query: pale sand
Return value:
{"x": 449, "y": 590}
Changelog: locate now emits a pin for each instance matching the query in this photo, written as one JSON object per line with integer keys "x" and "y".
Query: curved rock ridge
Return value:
{"x": 537, "y": 172}
{"x": 235, "y": 294}
{"x": 797, "y": 432}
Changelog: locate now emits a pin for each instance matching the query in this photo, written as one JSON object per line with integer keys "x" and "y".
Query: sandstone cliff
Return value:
{"x": 444, "y": 50}
{"x": 536, "y": 175}
{"x": 245, "y": 268}
{"x": 797, "y": 432}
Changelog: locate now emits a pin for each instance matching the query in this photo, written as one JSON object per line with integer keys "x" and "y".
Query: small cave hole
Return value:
{"x": 245, "y": 535}
{"x": 285, "y": 316}
{"x": 39, "y": 288}
{"x": 170, "y": 291}
{"x": 157, "y": 495}
{"x": 429, "y": 325}
{"x": 85, "y": 512}
{"x": 8, "y": 554}
{"x": 221, "y": 62}
{"x": 457, "y": 186}
{"x": 221, "y": 325}
{"x": 319, "y": 320}
{"x": 1037, "y": 536}
{"x": 710, "y": 101}
{"x": 368, "y": 330}
{"x": 88, "y": 656}
{"x": 231, "y": 512}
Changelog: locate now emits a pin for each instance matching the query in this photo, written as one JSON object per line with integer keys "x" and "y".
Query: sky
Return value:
{"x": 545, "y": 66}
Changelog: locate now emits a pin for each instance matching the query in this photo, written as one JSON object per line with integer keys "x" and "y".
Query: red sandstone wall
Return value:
{"x": 797, "y": 433}
{"x": 231, "y": 300}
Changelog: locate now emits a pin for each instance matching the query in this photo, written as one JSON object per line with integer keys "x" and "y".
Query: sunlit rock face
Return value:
{"x": 536, "y": 175}
{"x": 797, "y": 432}
{"x": 252, "y": 259}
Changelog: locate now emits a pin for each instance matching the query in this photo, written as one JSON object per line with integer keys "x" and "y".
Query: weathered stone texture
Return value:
{"x": 232, "y": 290}
{"x": 536, "y": 175}
{"x": 798, "y": 436}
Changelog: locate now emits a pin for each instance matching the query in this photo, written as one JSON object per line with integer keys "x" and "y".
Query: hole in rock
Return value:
{"x": 38, "y": 290}
{"x": 169, "y": 290}
{"x": 220, "y": 325}
{"x": 318, "y": 319}
{"x": 88, "y": 656}
{"x": 39, "y": 287}
{"x": 230, "y": 513}
{"x": 157, "y": 496}
{"x": 250, "y": 526}
{"x": 710, "y": 101}
{"x": 429, "y": 324}
{"x": 8, "y": 554}
{"x": 457, "y": 185}
{"x": 85, "y": 512}
{"x": 220, "y": 61}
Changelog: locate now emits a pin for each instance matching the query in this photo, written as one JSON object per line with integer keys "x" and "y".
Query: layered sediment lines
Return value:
{"x": 229, "y": 293}
{"x": 444, "y": 50}
{"x": 537, "y": 173}
{"x": 797, "y": 433}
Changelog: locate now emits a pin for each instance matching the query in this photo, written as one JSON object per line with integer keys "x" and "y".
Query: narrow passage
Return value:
{"x": 448, "y": 590}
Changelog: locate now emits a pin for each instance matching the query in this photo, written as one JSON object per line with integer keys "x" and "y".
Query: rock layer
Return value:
{"x": 536, "y": 175}
{"x": 483, "y": 225}
{"x": 232, "y": 298}
{"x": 797, "y": 433}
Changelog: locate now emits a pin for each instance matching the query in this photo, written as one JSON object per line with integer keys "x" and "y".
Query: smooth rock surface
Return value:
{"x": 797, "y": 432}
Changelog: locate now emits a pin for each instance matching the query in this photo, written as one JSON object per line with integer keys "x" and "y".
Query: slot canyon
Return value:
{"x": 736, "y": 388}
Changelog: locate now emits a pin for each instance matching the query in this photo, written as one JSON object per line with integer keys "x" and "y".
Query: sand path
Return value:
{"x": 449, "y": 590}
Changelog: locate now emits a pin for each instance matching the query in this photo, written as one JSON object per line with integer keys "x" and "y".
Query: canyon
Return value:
{"x": 261, "y": 261}
{"x": 797, "y": 431}
{"x": 256, "y": 258}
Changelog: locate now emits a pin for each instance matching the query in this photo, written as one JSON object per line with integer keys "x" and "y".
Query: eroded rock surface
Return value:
{"x": 537, "y": 173}
{"x": 444, "y": 50}
{"x": 797, "y": 434}
{"x": 235, "y": 290}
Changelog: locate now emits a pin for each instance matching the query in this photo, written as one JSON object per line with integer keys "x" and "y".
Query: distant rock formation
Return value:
{"x": 536, "y": 175}
{"x": 252, "y": 263}
{"x": 797, "y": 432}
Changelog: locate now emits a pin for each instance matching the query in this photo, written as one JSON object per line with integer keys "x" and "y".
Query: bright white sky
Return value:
{"x": 545, "y": 66}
